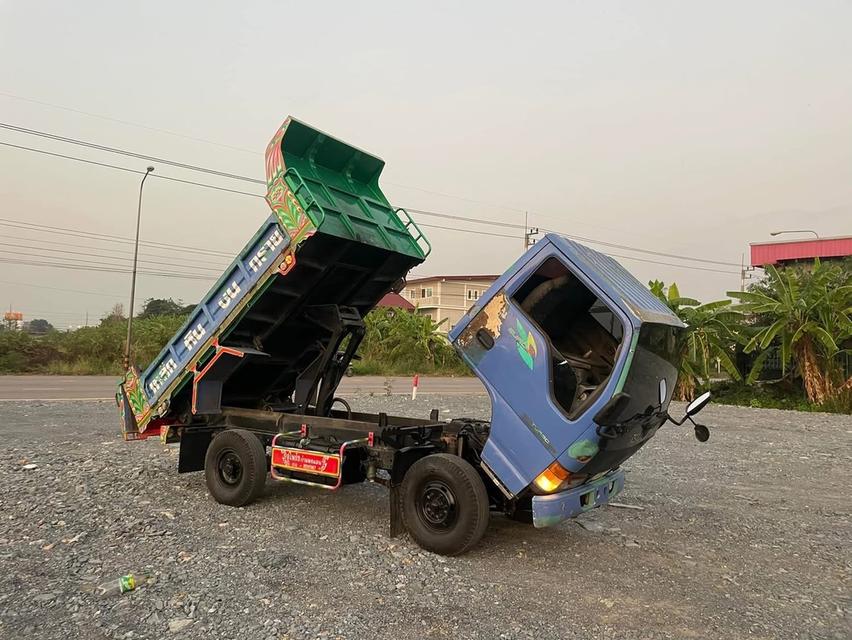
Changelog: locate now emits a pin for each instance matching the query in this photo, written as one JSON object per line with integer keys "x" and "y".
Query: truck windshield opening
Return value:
{"x": 583, "y": 333}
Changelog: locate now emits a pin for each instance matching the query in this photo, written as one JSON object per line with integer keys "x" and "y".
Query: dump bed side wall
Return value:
{"x": 219, "y": 306}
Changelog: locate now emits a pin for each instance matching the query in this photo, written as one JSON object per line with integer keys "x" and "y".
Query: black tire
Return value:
{"x": 444, "y": 504}
{"x": 235, "y": 467}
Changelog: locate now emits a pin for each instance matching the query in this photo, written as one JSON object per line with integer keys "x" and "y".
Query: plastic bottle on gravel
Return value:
{"x": 117, "y": 587}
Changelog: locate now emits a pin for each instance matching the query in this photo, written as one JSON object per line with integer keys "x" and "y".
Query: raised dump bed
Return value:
{"x": 266, "y": 334}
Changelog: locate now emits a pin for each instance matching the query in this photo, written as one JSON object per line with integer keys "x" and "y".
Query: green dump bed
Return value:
{"x": 269, "y": 330}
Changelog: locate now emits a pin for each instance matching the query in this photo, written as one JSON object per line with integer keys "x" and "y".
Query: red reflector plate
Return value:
{"x": 323, "y": 464}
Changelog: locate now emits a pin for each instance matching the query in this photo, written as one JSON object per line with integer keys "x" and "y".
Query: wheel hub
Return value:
{"x": 230, "y": 467}
{"x": 437, "y": 506}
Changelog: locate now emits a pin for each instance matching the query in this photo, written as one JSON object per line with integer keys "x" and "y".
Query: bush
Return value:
{"x": 782, "y": 394}
{"x": 403, "y": 343}
{"x": 396, "y": 342}
{"x": 88, "y": 350}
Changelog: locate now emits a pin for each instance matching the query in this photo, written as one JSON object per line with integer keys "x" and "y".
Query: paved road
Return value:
{"x": 101, "y": 387}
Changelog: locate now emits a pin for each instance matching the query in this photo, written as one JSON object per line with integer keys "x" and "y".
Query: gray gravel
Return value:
{"x": 746, "y": 536}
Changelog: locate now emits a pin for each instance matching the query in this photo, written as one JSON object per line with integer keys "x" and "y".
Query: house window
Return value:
{"x": 473, "y": 294}
{"x": 412, "y": 294}
{"x": 426, "y": 293}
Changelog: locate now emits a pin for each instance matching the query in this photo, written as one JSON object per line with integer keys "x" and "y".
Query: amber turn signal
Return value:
{"x": 552, "y": 478}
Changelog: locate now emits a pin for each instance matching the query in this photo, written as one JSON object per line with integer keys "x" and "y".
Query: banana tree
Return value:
{"x": 809, "y": 314}
{"x": 709, "y": 337}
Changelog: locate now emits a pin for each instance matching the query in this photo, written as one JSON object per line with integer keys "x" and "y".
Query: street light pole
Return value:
{"x": 133, "y": 277}
{"x": 778, "y": 233}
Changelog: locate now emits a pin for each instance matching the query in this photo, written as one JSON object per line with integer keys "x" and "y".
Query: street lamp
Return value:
{"x": 778, "y": 233}
{"x": 133, "y": 277}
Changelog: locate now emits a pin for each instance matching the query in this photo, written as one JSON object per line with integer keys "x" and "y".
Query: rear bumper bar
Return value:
{"x": 556, "y": 507}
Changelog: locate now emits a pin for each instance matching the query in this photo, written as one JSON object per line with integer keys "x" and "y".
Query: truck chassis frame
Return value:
{"x": 346, "y": 447}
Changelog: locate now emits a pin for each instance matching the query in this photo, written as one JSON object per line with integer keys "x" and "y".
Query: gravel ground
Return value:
{"x": 745, "y": 536}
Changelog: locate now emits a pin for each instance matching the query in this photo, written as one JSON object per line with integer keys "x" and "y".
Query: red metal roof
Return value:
{"x": 763, "y": 253}
{"x": 396, "y": 301}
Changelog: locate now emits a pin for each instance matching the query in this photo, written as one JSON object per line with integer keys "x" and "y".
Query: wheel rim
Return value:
{"x": 230, "y": 467}
{"x": 436, "y": 506}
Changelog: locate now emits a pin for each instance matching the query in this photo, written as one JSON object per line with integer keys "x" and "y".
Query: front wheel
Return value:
{"x": 444, "y": 504}
{"x": 235, "y": 467}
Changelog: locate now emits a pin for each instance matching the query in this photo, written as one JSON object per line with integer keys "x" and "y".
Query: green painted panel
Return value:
{"x": 338, "y": 187}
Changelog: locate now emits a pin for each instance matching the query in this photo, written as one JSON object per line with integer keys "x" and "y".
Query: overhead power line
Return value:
{"x": 474, "y": 231}
{"x": 19, "y": 224}
{"x": 66, "y": 265}
{"x": 130, "y": 154}
{"x": 449, "y": 216}
{"x": 111, "y": 253}
{"x": 414, "y": 210}
{"x": 128, "y": 170}
{"x": 29, "y": 285}
{"x": 647, "y": 251}
{"x": 28, "y": 255}
{"x": 94, "y": 255}
{"x": 127, "y": 123}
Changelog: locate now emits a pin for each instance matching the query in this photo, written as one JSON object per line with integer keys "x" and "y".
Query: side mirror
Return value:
{"x": 698, "y": 404}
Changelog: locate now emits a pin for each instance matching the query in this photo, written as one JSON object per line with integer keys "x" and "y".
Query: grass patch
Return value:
{"x": 776, "y": 395}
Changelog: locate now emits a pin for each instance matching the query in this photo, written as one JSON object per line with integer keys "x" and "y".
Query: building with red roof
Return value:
{"x": 786, "y": 252}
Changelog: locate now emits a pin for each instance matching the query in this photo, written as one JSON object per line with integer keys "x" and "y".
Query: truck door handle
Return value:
{"x": 484, "y": 337}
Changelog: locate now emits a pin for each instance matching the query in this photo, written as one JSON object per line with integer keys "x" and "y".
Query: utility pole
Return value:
{"x": 529, "y": 232}
{"x": 745, "y": 272}
{"x": 133, "y": 278}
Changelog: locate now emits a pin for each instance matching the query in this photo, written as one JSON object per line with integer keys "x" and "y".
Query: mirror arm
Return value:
{"x": 675, "y": 422}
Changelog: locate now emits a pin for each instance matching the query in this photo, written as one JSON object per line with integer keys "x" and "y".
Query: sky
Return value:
{"x": 676, "y": 127}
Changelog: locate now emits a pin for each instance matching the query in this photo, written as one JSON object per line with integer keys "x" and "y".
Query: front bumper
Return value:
{"x": 556, "y": 507}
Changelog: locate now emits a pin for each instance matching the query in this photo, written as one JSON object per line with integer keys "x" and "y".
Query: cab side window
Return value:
{"x": 583, "y": 333}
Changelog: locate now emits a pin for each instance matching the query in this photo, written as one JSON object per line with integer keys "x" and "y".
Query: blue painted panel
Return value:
{"x": 617, "y": 281}
{"x": 216, "y": 309}
{"x": 529, "y": 430}
{"x": 553, "y": 509}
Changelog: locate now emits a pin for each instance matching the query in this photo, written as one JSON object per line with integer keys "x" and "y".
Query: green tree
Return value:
{"x": 710, "y": 335}
{"x": 164, "y": 307}
{"x": 399, "y": 341}
{"x": 808, "y": 313}
{"x": 39, "y": 326}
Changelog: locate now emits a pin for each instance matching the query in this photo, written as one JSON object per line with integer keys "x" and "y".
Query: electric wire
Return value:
{"x": 91, "y": 235}
{"x": 125, "y": 258}
{"x": 127, "y": 123}
{"x": 233, "y": 176}
{"x": 29, "y": 285}
{"x": 79, "y": 261}
{"x": 129, "y": 170}
{"x": 62, "y": 265}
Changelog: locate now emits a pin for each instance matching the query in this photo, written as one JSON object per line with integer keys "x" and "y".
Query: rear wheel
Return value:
{"x": 444, "y": 504}
{"x": 235, "y": 467}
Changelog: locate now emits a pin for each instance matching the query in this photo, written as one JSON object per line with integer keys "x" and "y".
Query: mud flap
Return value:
{"x": 397, "y": 527}
{"x": 193, "y": 449}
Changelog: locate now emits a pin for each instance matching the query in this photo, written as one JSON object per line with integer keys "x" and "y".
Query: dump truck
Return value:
{"x": 578, "y": 358}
